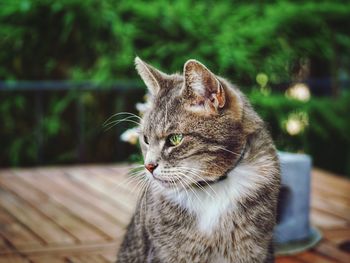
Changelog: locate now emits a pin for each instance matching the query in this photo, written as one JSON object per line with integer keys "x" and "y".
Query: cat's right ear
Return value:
{"x": 152, "y": 77}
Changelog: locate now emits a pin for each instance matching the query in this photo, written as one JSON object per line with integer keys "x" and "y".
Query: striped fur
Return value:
{"x": 179, "y": 220}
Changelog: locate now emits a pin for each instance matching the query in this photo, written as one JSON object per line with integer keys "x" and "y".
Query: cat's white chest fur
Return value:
{"x": 209, "y": 209}
{"x": 214, "y": 202}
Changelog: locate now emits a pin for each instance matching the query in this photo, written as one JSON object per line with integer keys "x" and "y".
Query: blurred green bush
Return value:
{"x": 88, "y": 39}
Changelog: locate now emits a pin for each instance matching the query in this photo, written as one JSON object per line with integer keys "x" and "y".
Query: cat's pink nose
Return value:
{"x": 151, "y": 167}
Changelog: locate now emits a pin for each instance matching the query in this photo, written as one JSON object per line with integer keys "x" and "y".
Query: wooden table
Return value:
{"x": 78, "y": 214}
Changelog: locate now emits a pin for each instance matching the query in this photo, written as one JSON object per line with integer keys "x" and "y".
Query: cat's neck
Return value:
{"x": 207, "y": 183}
{"x": 212, "y": 203}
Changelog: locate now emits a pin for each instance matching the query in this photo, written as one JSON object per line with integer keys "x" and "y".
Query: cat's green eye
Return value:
{"x": 174, "y": 139}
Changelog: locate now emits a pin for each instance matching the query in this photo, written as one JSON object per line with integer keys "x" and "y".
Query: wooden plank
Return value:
{"x": 89, "y": 194}
{"x": 63, "y": 250}
{"x": 3, "y": 246}
{"x": 327, "y": 249}
{"x": 331, "y": 194}
{"x": 336, "y": 201}
{"x": 90, "y": 197}
{"x": 339, "y": 181}
{"x": 117, "y": 179}
{"x": 336, "y": 184}
{"x": 286, "y": 259}
{"x": 126, "y": 203}
{"x": 52, "y": 210}
{"x": 128, "y": 185}
{"x": 15, "y": 233}
{"x": 13, "y": 259}
{"x": 337, "y": 236}
{"x": 48, "y": 259}
{"x": 122, "y": 177}
{"x": 110, "y": 256}
{"x": 88, "y": 259}
{"x": 80, "y": 209}
{"x": 313, "y": 257}
{"x": 325, "y": 220}
{"x": 325, "y": 204}
{"x": 119, "y": 169}
{"x": 37, "y": 223}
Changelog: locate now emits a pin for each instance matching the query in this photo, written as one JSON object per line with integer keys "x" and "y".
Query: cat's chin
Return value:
{"x": 167, "y": 184}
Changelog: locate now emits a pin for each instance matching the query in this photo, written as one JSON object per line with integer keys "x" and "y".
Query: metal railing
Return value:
{"x": 39, "y": 90}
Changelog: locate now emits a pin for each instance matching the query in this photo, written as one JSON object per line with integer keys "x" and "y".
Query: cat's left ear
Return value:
{"x": 153, "y": 78}
{"x": 203, "y": 88}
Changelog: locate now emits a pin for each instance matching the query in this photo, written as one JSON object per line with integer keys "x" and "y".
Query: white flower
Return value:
{"x": 299, "y": 91}
{"x": 296, "y": 123}
{"x": 293, "y": 126}
{"x": 142, "y": 107}
{"x": 131, "y": 135}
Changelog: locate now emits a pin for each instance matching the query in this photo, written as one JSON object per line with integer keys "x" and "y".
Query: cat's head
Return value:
{"x": 195, "y": 128}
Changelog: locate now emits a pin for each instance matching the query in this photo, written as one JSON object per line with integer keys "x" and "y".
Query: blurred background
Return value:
{"x": 66, "y": 66}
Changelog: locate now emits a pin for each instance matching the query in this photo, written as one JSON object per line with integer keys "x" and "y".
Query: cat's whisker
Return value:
{"x": 205, "y": 181}
{"x": 115, "y": 122}
{"x": 174, "y": 185}
{"x": 138, "y": 184}
{"x": 188, "y": 169}
{"x": 131, "y": 177}
{"x": 146, "y": 193}
{"x": 196, "y": 169}
{"x": 177, "y": 191}
{"x": 136, "y": 166}
{"x": 133, "y": 188}
{"x": 143, "y": 195}
{"x": 137, "y": 188}
{"x": 125, "y": 113}
{"x": 195, "y": 183}
{"x": 121, "y": 113}
{"x": 139, "y": 171}
{"x": 136, "y": 171}
{"x": 130, "y": 180}
{"x": 200, "y": 170}
{"x": 224, "y": 149}
{"x": 110, "y": 127}
{"x": 111, "y": 124}
{"x": 106, "y": 123}
{"x": 191, "y": 189}
{"x": 187, "y": 194}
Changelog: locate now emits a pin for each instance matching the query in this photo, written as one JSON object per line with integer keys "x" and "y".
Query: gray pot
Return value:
{"x": 293, "y": 232}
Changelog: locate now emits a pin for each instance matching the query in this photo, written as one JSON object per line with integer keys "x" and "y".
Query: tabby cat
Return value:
{"x": 212, "y": 173}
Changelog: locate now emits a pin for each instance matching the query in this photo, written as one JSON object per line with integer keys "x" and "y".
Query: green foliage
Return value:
{"x": 46, "y": 39}
{"x": 326, "y": 135}
{"x": 87, "y": 39}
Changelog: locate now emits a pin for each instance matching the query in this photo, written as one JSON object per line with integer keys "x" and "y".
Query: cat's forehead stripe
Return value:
{"x": 163, "y": 118}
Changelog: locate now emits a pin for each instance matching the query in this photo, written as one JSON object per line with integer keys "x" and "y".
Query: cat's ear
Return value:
{"x": 152, "y": 77}
{"x": 203, "y": 88}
